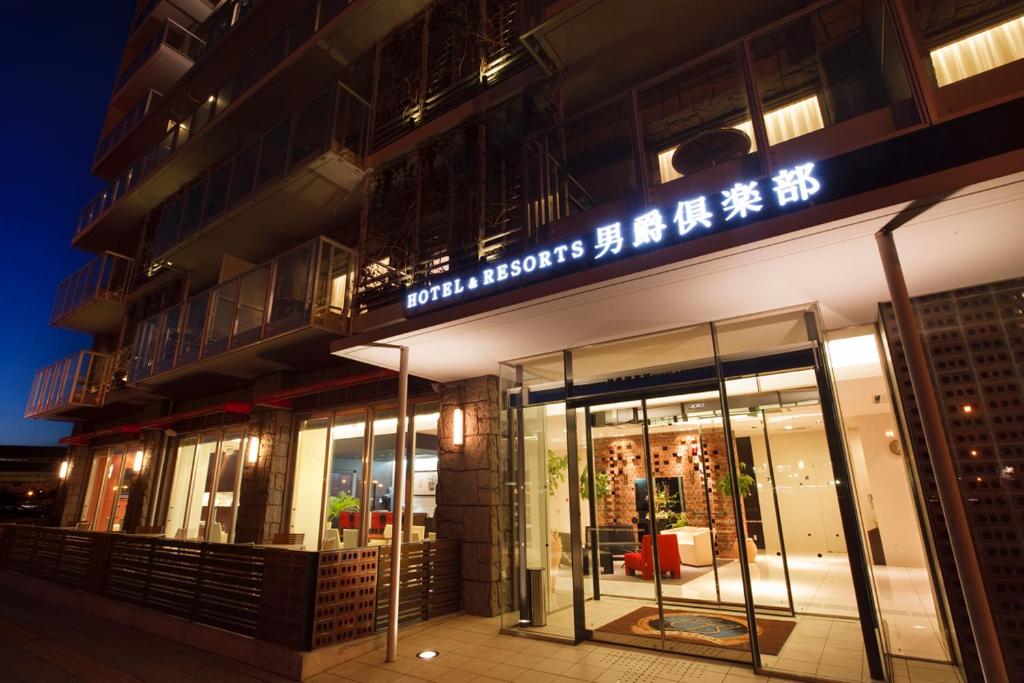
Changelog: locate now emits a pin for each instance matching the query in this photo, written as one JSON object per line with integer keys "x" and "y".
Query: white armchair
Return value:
{"x": 332, "y": 540}
{"x": 694, "y": 545}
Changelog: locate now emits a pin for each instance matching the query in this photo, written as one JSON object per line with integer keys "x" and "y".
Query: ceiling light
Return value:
{"x": 844, "y": 353}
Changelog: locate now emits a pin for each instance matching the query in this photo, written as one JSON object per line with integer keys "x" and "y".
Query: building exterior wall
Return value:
{"x": 974, "y": 340}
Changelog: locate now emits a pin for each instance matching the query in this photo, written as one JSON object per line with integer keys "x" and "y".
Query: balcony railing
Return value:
{"x": 310, "y": 286}
{"x": 174, "y": 36}
{"x": 105, "y": 278}
{"x": 80, "y": 380}
{"x": 335, "y": 120}
{"x": 128, "y": 123}
{"x": 225, "y": 18}
{"x": 308, "y": 22}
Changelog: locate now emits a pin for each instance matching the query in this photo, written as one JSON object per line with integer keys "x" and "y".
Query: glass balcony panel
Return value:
{"x": 291, "y": 306}
{"x": 335, "y": 274}
{"x": 103, "y": 278}
{"x": 65, "y": 382}
{"x": 193, "y": 216}
{"x": 273, "y": 155}
{"x": 182, "y": 133}
{"x": 697, "y": 119}
{"x": 95, "y": 373}
{"x": 145, "y": 348}
{"x": 243, "y": 175}
{"x": 201, "y": 116}
{"x": 168, "y": 229}
{"x": 302, "y": 28}
{"x": 310, "y": 137}
{"x": 223, "y": 301}
{"x": 167, "y": 343}
{"x": 832, "y": 65}
{"x": 192, "y": 331}
{"x": 79, "y": 379}
{"x": 351, "y": 117}
{"x": 252, "y": 304}
{"x": 331, "y": 8}
{"x": 217, "y": 192}
{"x": 964, "y": 39}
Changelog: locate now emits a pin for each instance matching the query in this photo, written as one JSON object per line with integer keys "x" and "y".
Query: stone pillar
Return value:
{"x": 469, "y": 489}
{"x": 261, "y": 509}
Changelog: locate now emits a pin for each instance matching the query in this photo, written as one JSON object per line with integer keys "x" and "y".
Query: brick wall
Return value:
{"x": 672, "y": 456}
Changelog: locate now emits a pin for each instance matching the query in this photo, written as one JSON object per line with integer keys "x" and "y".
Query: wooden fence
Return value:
{"x": 299, "y": 600}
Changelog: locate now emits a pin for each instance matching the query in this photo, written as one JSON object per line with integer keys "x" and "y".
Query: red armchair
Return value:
{"x": 668, "y": 556}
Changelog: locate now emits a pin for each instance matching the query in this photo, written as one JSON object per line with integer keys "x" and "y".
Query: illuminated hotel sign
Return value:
{"x": 691, "y": 216}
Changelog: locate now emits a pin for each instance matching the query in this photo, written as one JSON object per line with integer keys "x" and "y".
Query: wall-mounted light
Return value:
{"x": 63, "y": 472}
{"x": 253, "y": 451}
{"x": 458, "y": 427}
{"x": 137, "y": 463}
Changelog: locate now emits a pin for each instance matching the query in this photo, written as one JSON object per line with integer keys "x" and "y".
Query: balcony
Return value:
{"x": 291, "y": 67}
{"x": 92, "y": 299}
{"x": 276, "y": 316}
{"x": 182, "y": 11}
{"x": 158, "y": 64}
{"x": 307, "y": 165}
{"x": 71, "y": 387}
{"x": 128, "y": 122}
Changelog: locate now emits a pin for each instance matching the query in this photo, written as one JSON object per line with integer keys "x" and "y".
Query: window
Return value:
{"x": 106, "y": 499}
{"x": 204, "y": 487}
{"x": 343, "y": 481}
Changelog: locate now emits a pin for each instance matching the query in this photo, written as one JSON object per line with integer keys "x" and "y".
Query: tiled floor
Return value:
{"x": 821, "y": 586}
{"x": 471, "y": 649}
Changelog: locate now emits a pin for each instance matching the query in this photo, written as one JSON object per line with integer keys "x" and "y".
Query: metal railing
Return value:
{"x": 128, "y": 123}
{"x": 174, "y": 36}
{"x": 105, "y": 278}
{"x": 81, "y": 379}
{"x": 317, "y": 15}
{"x": 336, "y": 119}
{"x": 311, "y": 285}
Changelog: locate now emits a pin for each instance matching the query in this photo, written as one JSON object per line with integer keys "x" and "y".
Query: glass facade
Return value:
{"x": 108, "y": 487}
{"x": 706, "y": 478}
{"x": 203, "y": 488}
{"x": 342, "y": 483}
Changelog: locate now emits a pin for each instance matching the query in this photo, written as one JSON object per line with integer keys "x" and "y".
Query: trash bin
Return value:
{"x": 538, "y": 615}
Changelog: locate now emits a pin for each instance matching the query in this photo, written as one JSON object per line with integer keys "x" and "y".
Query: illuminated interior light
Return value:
{"x": 784, "y": 123}
{"x": 979, "y": 52}
{"x": 889, "y": 434}
{"x": 137, "y": 462}
{"x": 852, "y": 351}
{"x": 967, "y": 408}
{"x": 63, "y": 473}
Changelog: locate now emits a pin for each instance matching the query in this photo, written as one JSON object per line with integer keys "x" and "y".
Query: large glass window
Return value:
{"x": 109, "y": 485}
{"x": 343, "y": 481}
{"x": 204, "y": 487}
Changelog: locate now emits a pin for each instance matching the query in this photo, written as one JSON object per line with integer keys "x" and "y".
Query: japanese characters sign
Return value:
{"x": 688, "y": 218}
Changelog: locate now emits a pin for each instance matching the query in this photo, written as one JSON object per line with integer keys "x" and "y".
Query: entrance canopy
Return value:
{"x": 970, "y": 237}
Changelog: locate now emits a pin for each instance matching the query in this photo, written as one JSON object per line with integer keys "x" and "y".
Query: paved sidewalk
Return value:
{"x": 41, "y": 642}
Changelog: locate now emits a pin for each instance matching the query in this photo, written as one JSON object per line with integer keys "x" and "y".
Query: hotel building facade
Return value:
{"x": 646, "y": 261}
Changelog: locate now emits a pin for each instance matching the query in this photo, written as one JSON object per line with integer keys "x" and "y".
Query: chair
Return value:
{"x": 217, "y": 533}
{"x": 332, "y": 541}
{"x": 417, "y": 534}
{"x": 181, "y": 535}
{"x": 388, "y": 532}
{"x": 350, "y": 537}
{"x": 83, "y": 526}
{"x": 668, "y": 558}
{"x": 694, "y": 545}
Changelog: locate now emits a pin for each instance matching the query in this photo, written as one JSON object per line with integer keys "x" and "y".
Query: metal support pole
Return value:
{"x": 397, "y": 497}
{"x": 979, "y": 611}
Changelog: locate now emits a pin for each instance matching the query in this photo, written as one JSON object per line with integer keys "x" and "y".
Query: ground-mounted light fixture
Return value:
{"x": 458, "y": 427}
{"x": 427, "y": 654}
{"x": 253, "y": 449}
{"x": 62, "y": 473}
{"x": 137, "y": 462}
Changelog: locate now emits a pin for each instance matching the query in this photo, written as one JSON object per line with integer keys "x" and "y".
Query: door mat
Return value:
{"x": 701, "y": 628}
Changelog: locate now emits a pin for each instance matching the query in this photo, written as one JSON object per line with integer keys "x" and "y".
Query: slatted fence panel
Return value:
{"x": 431, "y": 581}
{"x": 230, "y": 581}
{"x": 173, "y": 576}
{"x": 128, "y": 569}
{"x": 73, "y": 570}
{"x": 445, "y": 595}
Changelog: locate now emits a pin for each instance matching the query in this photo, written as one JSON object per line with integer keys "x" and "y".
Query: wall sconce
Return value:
{"x": 458, "y": 427}
{"x": 63, "y": 472}
{"x": 137, "y": 463}
{"x": 253, "y": 451}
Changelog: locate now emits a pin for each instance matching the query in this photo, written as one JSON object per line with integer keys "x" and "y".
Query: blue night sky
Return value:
{"x": 60, "y": 60}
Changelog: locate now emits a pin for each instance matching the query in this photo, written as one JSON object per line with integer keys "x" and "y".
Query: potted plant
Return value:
{"x": 557, "y": 467}
{"x": 342, "y": 502}
{"x": 602, "y": 485}
{"x": 744, "y": 483}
